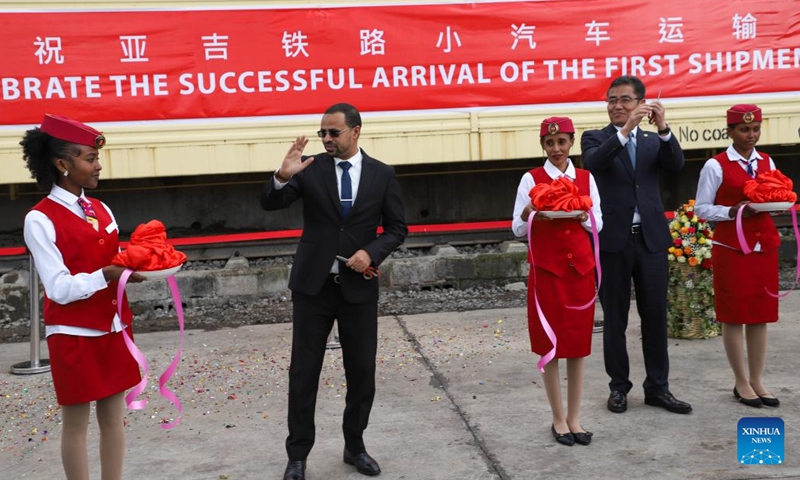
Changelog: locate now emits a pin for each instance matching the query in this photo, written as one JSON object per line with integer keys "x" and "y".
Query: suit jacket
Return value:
{"x": 327, "y": 234}
{"x": 621, "y": 188}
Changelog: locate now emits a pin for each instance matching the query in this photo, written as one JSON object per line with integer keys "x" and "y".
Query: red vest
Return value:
{"x": 562, "y": 243}
{"x": 84, "y": 251}
{"x": 757, "y": 228}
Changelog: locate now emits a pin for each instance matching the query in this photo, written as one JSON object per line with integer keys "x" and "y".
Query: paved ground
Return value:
{"x": 458, "y": 398}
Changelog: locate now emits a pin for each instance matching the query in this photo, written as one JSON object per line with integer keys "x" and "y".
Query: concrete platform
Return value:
{"x": 458, "y": 398}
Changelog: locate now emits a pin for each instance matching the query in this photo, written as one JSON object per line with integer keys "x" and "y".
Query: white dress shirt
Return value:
{"x": 709, "y": 183}
{"x": 59, "y": 285}
{"x": 520, "y": 227}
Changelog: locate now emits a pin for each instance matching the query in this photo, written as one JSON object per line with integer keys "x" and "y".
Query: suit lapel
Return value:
{"x": 367, "y": 179}
{"x": 623, "y": 155}
{"x": 328, "y": 167}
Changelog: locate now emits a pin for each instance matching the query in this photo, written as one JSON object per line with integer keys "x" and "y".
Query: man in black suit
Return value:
{"x": 625, "y": 161}
{"x": 346, "y": 195}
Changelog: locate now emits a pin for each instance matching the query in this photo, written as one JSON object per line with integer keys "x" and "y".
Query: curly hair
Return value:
{"x": 38, "y": 150}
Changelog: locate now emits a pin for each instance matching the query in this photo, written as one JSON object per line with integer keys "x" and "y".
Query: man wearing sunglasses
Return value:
{"x": 625, "y": 161}
{"x": 346, "y": 195}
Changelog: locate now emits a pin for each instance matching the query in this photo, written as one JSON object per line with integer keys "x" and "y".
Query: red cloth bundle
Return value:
{"x": 148, "y": 249}
{"x": 772, "y": 186}
{"x": 560, "y": 195}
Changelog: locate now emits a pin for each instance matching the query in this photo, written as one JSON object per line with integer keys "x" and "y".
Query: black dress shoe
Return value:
{"x": 567, "y": 439}
{"x": 584, "y": 438}
{"x": 769, "y": 401}
{"x": 750, "y": 402}
{"x": 617, "y": 401}
{"x": 669, "y": 402}
{"x": 363, "y": 462}
{"x": 295, "y": 470}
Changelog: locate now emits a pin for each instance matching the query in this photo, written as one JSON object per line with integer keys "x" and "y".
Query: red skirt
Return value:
{"x": 573, "y": 328}
{"x": 85, "y": 369}
{"x": 739, "y": 281}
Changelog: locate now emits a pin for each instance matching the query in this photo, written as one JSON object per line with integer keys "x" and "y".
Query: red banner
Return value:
{"x": 174, "y": 64}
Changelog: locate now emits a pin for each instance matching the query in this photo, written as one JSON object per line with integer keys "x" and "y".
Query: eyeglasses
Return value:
{"x": 332, "y": 132}
{"x": 625, "y": 101}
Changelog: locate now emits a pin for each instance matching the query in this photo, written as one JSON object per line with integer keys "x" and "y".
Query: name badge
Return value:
{"x": 111, "y": 227}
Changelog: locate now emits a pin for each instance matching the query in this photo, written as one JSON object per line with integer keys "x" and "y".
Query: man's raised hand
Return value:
{"x": 293, "y": 162}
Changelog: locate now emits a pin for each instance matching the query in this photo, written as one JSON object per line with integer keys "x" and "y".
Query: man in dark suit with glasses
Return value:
{"x": 625, "y": 161}
{"x": 346, "y": 195}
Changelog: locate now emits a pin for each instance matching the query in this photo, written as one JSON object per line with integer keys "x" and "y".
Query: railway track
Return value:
{"x": 222, "y": 250}
{"x": 277, "y": 244}
{"x": 273, "y": 248}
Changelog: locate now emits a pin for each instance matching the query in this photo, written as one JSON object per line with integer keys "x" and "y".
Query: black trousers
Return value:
{"x": 650, "y": 274}
{"x": 312, "y": 322}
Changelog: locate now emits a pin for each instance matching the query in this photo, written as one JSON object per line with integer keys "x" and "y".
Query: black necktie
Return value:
{"x": 347, "y": 189}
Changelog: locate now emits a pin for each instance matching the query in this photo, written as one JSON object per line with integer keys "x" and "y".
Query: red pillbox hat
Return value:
{"x": 73, "y": 131}
{"x": 553, "y": 125}
{"x": 743, "y": 113}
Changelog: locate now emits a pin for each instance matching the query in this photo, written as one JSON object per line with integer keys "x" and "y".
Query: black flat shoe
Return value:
{"x": 567, "y": 439}
{"x": 750, "y": 402}
{"x": 583, "y": 438}
{"x": 769, "y": 401}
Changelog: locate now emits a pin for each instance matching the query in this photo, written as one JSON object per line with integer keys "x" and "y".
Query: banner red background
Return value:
{"x": 422, "y": 57}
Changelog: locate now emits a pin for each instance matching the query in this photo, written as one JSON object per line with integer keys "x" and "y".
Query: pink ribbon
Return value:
{"x": 740, "y": 232}
{"x": 747, "y": 250}
{"x": 596, "y": 239}
{"x": 548, "y": 330}
{"x": 137, "y": 354}
{"x": 797, "y": 270}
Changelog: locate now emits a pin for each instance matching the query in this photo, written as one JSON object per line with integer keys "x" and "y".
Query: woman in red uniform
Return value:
{"x": 72, "y": 239}
{"x": 741, "y": 299}
{"x": 563, "y": 275}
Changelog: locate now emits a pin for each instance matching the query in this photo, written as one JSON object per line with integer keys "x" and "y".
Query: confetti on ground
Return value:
{"x": 236, "y": 382}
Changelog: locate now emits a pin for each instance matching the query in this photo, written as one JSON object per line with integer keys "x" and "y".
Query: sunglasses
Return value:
{"x": 332, "y": 132}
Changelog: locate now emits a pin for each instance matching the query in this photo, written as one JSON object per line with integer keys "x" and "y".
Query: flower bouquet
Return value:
{"x": 690, "y": 300}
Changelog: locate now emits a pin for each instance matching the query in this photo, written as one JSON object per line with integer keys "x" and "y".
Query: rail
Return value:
{"x": 283, "y": 242}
